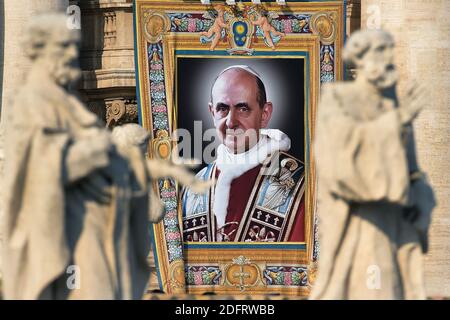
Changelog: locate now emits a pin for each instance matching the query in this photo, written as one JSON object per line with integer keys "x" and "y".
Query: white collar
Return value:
{"x": 233, "y": 165}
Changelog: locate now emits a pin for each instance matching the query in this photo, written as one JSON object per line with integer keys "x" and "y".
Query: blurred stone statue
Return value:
{"x": 76, "y": 200}
{"x": 133, "y": 135}
{"x": 374, "y": 203}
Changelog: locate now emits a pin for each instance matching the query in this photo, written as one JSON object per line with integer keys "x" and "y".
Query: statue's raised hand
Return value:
{"x": 163, "y": 169}
{"x": 414, "y": 101}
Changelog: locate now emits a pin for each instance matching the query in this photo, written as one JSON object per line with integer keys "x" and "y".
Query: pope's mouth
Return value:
{"x": 234, "y": 133}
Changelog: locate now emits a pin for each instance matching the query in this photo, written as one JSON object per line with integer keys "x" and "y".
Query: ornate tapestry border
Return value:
{"x": 158, "y": 26}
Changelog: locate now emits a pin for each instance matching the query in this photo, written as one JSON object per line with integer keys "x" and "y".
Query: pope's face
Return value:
{"x": 236, "y": 112}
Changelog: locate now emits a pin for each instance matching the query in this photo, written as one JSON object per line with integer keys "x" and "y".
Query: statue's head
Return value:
{"x": 50, "y": 43}
{"x": 371, "y": 52}
{"x": 131, "y": 134}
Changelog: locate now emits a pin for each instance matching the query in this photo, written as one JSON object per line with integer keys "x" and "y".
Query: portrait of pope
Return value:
{"x": 259, "y": 195}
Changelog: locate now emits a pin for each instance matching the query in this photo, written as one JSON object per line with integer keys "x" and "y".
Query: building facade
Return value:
{"x": 108, "y": 82}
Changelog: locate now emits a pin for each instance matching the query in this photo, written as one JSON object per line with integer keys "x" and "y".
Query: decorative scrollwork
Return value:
{"x": 115, "y": 111}
{"x": 155, "y": 25}
{"x": 177, "y": 280}
{"x": 121, "y": 111}
{"x": 324, "y": 24}
{"x": 312, "y": 273}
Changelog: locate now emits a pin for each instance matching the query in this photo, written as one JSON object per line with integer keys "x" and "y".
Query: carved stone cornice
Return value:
{"x": 103, "y": 4}
{"x": 107, "y": 78}
{"x": 121, "y": 111}
{"x": 107, "y": 59}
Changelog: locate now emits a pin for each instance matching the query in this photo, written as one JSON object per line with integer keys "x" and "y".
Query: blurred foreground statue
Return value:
{"x": 374, "y": 203}
{"x": 133, "y": 135}
{"x": 77, "y": 200}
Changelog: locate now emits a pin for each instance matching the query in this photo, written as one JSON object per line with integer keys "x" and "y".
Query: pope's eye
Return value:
{"x": 221, "y": 111}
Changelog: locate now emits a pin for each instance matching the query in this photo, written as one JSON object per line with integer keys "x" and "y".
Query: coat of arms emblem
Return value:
{"x": 241, "y": 32}
{"x": 240, "y": 25}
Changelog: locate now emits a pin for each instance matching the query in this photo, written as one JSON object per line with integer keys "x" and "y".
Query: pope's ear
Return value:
{"x": 211, "y": 110}
{"x": 266, "y": 114}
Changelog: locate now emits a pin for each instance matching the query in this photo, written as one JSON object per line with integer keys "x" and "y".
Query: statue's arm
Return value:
{"x": 422, "y": 202}
{"x": 421, "y": 197}
{"x": 84, "y": 156}
{"x": 159, "y": 169}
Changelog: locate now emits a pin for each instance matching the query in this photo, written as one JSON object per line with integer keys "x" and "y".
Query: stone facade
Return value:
{"x": 108, "y": 85}
{"x": 13, "y": 63}
{"x": 353, "y": 12}
{"x": 352, "y": 24}
{"x": 421, "y": 31}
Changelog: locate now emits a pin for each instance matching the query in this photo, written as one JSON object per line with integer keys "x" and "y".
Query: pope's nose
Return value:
{"x": 231, "y": 121}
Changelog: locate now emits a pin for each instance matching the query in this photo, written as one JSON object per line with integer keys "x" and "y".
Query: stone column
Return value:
{"x": 353, "y": 23}
{"x": 14, "y": 15}
{"x": 421, "y": 30}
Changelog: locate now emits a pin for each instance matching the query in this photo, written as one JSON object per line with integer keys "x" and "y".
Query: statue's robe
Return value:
{"x": 370, "y": 242}
{"x": 52, "y": 223}
{"x": 261, "y": 206}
